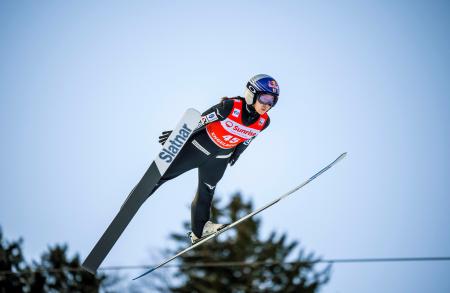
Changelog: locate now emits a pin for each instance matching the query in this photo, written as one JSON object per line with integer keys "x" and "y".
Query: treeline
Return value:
{"x": 256, "y": 264}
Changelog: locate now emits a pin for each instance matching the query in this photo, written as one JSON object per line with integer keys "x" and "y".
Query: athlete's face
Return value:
{"x": 261, "y": 108}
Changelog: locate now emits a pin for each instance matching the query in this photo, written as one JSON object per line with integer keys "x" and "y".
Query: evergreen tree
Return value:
{"x": 56, "y": 272}
{"x": 63, "y": 274}
{"x": 243, "y": 244}
{"x": 12, "y": 264}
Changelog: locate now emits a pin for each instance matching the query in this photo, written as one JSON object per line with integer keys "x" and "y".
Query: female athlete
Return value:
{"x": 228, "y": 129}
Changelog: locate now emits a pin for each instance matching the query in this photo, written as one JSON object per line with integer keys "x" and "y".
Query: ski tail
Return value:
{"x": 122, "y": 219}
{"x": 143, "y": 189}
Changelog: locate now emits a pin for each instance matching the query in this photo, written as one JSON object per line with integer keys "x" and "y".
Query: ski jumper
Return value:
{"x": 211, "y": 148}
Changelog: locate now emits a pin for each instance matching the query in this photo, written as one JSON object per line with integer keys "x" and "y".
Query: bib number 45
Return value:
{"x": 230, "y": 139}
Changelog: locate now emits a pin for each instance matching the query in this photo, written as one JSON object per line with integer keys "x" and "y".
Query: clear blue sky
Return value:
{"x": 87, "y": 86}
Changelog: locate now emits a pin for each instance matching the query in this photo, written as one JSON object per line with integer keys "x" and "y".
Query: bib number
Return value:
{"x": 230, "y": 138}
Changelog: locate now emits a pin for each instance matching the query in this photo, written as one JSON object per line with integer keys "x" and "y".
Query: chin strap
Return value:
{"x": 250, "y": 108}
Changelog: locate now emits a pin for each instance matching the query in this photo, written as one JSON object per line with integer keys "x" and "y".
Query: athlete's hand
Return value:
{"x": 164, "y": 136}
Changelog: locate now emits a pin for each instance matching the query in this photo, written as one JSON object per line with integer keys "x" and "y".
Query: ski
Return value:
{"x": 181, "y": 133}
{"x": 237, "y": 222}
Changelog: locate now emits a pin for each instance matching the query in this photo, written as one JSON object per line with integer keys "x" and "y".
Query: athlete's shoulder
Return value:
{"x": 238, "y": 99}
{"x": 227, "y": 104}
{"x": 233, "y": 101}
{"x": 222, "y": 109}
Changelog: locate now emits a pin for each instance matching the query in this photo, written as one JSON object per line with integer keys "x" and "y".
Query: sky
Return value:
{"x": 86, "y": 87}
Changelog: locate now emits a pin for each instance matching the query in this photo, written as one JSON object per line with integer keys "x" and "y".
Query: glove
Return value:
{"x": 164, "y": 136}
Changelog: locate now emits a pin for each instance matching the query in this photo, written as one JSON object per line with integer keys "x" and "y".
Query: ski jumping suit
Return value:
{"x": 211, "y": 148}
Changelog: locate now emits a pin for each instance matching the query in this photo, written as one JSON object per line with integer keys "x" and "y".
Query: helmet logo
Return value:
{"x": 229, "y": 124}
{"x": 273, "y": 84}
{"x": 250, "y": 87}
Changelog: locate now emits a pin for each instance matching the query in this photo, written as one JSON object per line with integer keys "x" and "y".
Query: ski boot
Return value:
{"x": 208, "y": 229}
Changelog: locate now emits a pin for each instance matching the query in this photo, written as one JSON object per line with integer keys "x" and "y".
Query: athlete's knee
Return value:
{"x": 207, "y": 188}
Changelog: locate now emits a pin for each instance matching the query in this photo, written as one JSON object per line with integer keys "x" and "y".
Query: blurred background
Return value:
{"x": 86, "y": 87}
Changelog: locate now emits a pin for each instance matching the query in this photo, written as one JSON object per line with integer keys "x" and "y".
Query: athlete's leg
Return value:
{"x": 209, "y": 175}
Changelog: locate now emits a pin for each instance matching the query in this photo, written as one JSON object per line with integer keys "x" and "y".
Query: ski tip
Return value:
{"x": 147, "y": 272}
{"x": 343, "y": 155}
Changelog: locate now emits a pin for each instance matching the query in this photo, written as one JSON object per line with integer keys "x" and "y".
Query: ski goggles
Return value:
{"x": 267, "y": 99}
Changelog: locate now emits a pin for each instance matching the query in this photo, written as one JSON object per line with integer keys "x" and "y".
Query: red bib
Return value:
{"x": 230, "y": 132}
